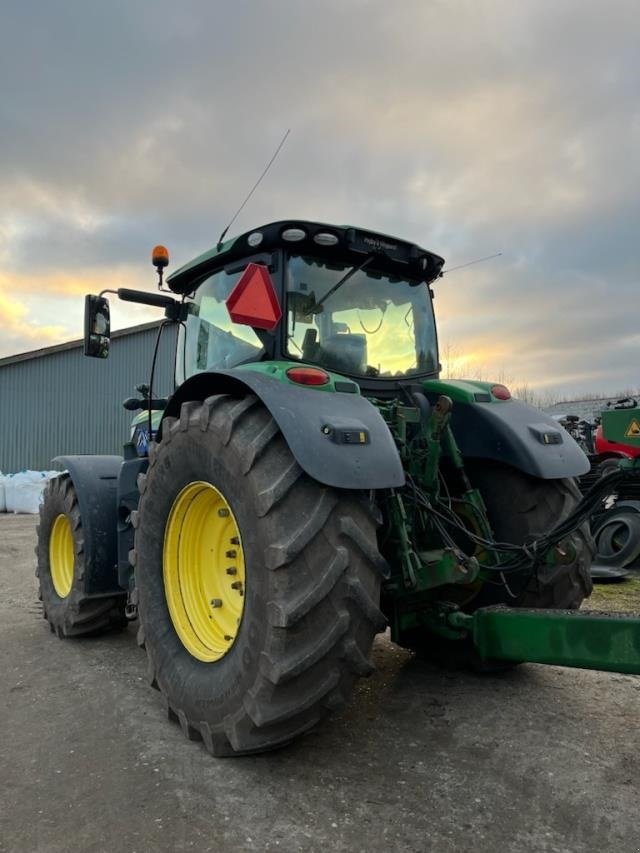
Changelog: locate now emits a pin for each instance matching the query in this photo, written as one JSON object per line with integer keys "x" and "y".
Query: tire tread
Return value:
{"x": 326, "y": 570}
{"x": 78, "y": 614}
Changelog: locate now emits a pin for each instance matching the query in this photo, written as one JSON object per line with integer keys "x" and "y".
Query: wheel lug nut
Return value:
{"x": 216, "y": 602}
{"x": 234, "y": 540}
{"x": 223, "y": 513}
{"x": 228, "y": 637}
{"x": 232, "y": 570}
{"x": 230, "y": 555}
{"x": 236, "y": 585}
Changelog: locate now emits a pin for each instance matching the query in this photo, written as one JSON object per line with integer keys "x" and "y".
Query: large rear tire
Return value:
{"x": 312, "y": 575}
{"x": 61, "y": 569}
{"x": 519, "y": 507}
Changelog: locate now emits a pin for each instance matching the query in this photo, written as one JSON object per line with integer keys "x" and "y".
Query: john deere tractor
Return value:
{"x": 311, "y": 481}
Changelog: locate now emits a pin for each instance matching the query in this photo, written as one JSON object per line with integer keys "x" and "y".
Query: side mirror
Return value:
{"x": 97, "y": 326}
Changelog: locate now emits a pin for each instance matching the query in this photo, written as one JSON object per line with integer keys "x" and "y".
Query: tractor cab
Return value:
{"x": 343, "y": 299}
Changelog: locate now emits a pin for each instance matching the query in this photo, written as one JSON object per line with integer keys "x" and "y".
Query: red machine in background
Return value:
{"x": 606, "y": 449}
{"x": 615, "y": 526}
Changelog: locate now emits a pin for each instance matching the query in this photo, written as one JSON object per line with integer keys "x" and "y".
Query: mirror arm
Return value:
{"x": 174, "y": 310}
{"x": 141, "y": 296}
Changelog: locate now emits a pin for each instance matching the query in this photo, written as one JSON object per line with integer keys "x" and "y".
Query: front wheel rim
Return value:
{"x": 61, "y": 555}
{"x": 204, "y": 571}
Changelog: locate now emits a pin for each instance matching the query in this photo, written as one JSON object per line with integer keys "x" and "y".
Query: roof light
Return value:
{"x": 255, "y": 239}
{"x": 501, "y": 392}
{"x": 294, "y": 235}
{"x": 308, "y": 376}
{"x": 325, "y": 239}
{"x": 160, "y": 256}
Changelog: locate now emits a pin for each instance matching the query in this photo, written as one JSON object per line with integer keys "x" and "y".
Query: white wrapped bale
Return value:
{"x": 23, "y": 491}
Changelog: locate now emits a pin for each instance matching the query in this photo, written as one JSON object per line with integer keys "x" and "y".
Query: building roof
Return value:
{"x": 69, "y": 345}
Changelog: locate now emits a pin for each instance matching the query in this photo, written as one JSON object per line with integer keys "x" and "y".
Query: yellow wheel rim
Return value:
{"x": 203, "y": 571}
{"x": 61, "y": 555}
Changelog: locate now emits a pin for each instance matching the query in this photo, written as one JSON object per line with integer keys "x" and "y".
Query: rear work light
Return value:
{"x": 325, "y": 239}
{"x": 255, "y": 238}
{"x": 293, "y": 235}
{"x": 308, "y": 376}
{"x": 501, "y": 392}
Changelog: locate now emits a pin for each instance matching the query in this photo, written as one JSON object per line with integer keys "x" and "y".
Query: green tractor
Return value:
{"x": 310, "y": 481}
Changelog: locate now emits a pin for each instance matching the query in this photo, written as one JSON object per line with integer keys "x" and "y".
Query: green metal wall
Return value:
{"x": 58, "y": 401}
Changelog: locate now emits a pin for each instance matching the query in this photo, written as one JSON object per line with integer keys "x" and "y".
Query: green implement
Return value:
{"x": 586, "y": 640}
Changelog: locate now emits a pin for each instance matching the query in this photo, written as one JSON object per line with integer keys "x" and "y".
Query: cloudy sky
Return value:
{"x": 468, "y": 127}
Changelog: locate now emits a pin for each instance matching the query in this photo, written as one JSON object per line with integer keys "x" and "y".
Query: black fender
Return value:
{"x": 128, "y": 499}
{"x": 338, "y": 439}
{"x": 95, "y": 479}
{"x": 516, "y": 434}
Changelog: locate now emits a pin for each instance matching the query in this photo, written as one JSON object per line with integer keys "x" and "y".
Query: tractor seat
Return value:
{"x": 310, "y": 345}
{"x": 345, "y": 352}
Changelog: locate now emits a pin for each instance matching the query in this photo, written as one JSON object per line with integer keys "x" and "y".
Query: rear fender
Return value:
{"x": 518, "y": 435}
{"x": 338, "y": 439}
{"x": 95, "y": 479}
{"x": 128, "y": 499}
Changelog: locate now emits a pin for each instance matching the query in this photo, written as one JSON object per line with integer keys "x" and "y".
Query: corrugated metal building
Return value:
{"x": 55, "y": 400}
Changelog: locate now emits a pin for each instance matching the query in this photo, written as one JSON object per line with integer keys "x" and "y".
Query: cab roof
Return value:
{"x": 350, "y": 244}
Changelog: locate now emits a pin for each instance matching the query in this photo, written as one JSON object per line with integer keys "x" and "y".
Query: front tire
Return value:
{"x": 61, "y": 568}
{"x": 312, "y": 575}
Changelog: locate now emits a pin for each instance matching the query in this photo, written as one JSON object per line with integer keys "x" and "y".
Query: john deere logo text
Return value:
{"x": 377, "y": 243}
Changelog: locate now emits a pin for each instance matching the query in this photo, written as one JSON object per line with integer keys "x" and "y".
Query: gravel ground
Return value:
{"x": 542, "y": 758}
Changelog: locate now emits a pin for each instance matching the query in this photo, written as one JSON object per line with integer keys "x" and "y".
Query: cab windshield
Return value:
{"x": 373, "y": 324}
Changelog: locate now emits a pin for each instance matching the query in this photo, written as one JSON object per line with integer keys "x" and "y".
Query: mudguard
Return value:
{"x": 95, "y": 479}
{"x": 518, "y": 435}
{"x": 128, "y": 499}
{"x": 339, "y": 439}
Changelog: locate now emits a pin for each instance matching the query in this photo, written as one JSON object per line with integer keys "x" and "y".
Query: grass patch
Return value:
{"x": 623, "y": 596}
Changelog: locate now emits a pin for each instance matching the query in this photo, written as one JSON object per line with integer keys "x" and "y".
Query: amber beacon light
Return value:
{"x": 160, "y": 260}
{"x": 160, "y": 256}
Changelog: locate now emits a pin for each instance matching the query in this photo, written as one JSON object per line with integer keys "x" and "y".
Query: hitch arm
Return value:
{"x": 583, "y": 639}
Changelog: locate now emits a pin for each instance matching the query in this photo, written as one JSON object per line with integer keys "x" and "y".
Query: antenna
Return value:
{"x": 470, "y": 263}
{"x": 253, "y": 188}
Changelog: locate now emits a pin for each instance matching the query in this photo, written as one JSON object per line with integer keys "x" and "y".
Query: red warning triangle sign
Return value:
{"x": 253, "y": 301}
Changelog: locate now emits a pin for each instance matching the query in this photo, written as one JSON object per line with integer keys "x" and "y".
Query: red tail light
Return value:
{"x": 308, "y": 375}
{"x": 501, "y": 392}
